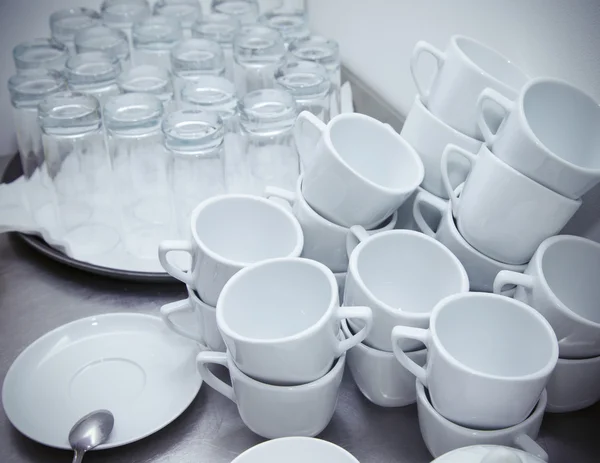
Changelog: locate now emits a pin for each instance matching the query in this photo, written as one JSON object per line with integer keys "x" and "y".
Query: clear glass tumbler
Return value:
{"x": 26, "y": 93}
{"x": 194, "y": 142}
{"x": 79, "y": 170}
{"x": 153, "y": 39}
{"x": 257, "y": 51}
{"x": 122, "y": 14}
{"x": 267, "y": 119}
{"x": 148, "y": 79}
{"x": 65, "y": 24}
{"x": 309, "y": 84}
{"x": 291, "y": 24}
{"x": 245, "y": 11}
{"x": 40, "y": 53}
{"x": 139, "y": 166}
{"x": 220, "y": 28}
{"x": 327, "y": 53}
{"x": 113, "y": 42}
{"x": 187, "y": 12}
{"x": 93, "y": 73}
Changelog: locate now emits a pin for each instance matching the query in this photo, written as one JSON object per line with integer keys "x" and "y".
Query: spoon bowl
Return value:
{"x": 90, "y": 431}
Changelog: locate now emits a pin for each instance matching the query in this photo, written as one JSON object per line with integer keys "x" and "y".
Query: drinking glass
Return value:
{"x": 139, "y": 166}
{"x": 220, "y": 28}
{"x": 187, "y": 12}
{"x": 267, "y": 119}
{"x": 65, "y": 24}
{"x": 327, "y": 53}
{"x": 257, "y": 51}
{"x": 122, "y": 14}
{"x": 93, "y": 73}
{"x": 245, "y": 11}
{"x": 194, "y": 143}
{"x": 148, "y": 79}
{"x": 113, "y": 42}
{"x": 40, "y": 53}
{"x": 153, "y": 39}
{"x": 291, "y": 24}
{"x": 309, "y": 84}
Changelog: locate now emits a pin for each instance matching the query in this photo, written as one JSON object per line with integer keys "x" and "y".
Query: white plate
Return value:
{"x": 130, "y": 364}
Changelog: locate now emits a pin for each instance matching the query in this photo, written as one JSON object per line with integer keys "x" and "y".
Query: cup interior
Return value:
{"x": 277, "y": 299}
{"x": 571, "y": 269}
{"x": 409, "y": 271}
{"x": 246, "y": 230}
{"x": 494, "y": 336}
{"x": 374, "y": 152}
{"x": 565, "y": 120}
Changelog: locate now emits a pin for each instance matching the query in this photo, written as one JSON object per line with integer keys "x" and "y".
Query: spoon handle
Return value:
{"x": 78, "y": 457}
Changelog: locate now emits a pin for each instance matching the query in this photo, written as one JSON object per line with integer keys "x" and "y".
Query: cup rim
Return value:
{"x": 546, "y": 244}
{"x": 238, "y": 264}
{"x": 543, "y": 372}
{"x": 420, "y": 174}
{"x": 353, "y": 269}
{"x": 327, "y": 314}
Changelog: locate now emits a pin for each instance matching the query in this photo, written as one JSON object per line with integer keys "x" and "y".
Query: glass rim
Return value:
{"x": 80, "y": 68}
{"x": 124, "y": 13}
{"x": 61, "y": 52}
{"x": 27, "y": 86}
{"x": 182, "y": 136}
{"x": 218, "y": 27}
{"x": 68, "y": 33}
{"x": 133, "y": 111}
{"x": 145, "y": 32}
{"x": 118, "y": 47}
{"x": 79, "y": 109}
{"x": 145, "y": 72}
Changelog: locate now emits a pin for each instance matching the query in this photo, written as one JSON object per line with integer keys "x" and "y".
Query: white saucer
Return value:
{"x": 130, "y": 364}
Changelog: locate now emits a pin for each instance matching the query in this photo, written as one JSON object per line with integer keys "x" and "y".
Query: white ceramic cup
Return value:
{"x": 401, "y": 275}
{"x": 208, "y": 333}
{"x": 561, "y": 282}
{"x": 230, "y": 232}
{"x": 501, "y": 212}
{"x": 379, "y": 376}
{"x": 497, "y": 351}
{"x": 276, "y": 411}
{"x": 295, "y": 450}
{"x": 442, "y": 436}
{"x": 574, "y": 385}
{"x": 549, "y": 133}
{"x": 361, "y": 169}
{"x": 464, "y": 70}
{"x": 280, "y": 320}
{"x": 429, "y": 136}
{"x": 324, "y": 241}
{"x": 481, "y": 269}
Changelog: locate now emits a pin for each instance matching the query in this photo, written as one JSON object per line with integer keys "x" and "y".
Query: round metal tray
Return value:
{"x": 14, "y": 171}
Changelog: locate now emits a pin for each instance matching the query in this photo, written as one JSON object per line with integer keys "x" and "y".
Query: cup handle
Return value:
{"x": 508, "y": 277}
{"x": 408, "y": 332}
{"x": 444, "y": 167}
{"x": 175, "y": 307}
{"x": 164, "y": 248}
{"x": 360, "y": 313}
{"x": 307, "y": 132}
{"x": 527, "y": 444}
{"x": 420, "y": 48}
{"x": 356, "y": 234}
{"x": 429, "y": 200}
{"x": 280, "y": 193}
{"x": 220, "y": 358}
{"x": 492, "y": 95}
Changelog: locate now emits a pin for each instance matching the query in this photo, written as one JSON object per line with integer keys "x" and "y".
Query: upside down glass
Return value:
{"x": 291, "y": 24}
{"x": 93, "y": 73}
{"x": 153, "y": 39}
{"x": 122, "y": 14}
{"x": 40, "y": 53}
{"x": 187, "y": 12}
{"x": 65, "y": 24}
{"x": 245, "y": 11}
{"x": 113, "y": 42}
{"x": 146, "y": 78}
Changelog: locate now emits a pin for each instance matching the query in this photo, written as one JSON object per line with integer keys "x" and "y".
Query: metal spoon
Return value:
{"x": 89, "y": 432}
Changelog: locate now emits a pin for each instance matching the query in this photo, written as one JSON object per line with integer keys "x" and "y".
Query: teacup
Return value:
{"x": 276, "y": 411}
{"x": 379, "y": 376}
{"x": 208, "y": 334}
{"x": 324, "y": 241}
{"x": 574, "y": 385}
{"x": 561, "y": 283}
{"x": 361, "y": 169}
{"x": 280, "y": 320}
{"x": 480, "y": 268}
{"x": 229, "y": 233}
{"x": 442, "y": 435}
{"x": 401, "y": 275}
{"x": 497, "y": 351}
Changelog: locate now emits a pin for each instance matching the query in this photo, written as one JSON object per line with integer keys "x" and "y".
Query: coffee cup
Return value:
{"x": 280, "y": 320}
{"x": 501, "y": 351}
{"x": 573, "y": 385}
{"x": 561, "y": 283}
{"x": 464, "y": 70}
{"x": 229, "y": 233}
{"x": 401, "y": 275}
{"x": 480, "y": 268}
{"x": 549, "y": 134}
{"x": 501, "y": 212}
{"x": 276, "y": 411}
{"x": 429, "y": 136}
{"x": 208, "y": 333}
{"x": 379, "y": 376}
{"x": 324, "y": 241}
{"x": 361, "y": 169}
